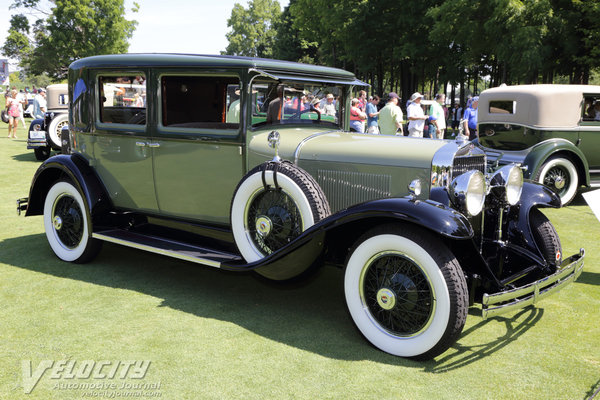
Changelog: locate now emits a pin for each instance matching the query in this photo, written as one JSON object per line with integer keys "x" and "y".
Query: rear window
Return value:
{"x": 502, "y": 107}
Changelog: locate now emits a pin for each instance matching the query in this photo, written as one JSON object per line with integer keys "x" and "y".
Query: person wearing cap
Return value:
{"x": 470, "y": 119}
{"x": 390, "y": 116}
{"x": 39, "y": 104}
{"x": 416, "y": 116}
{"x": 327, "y": 107}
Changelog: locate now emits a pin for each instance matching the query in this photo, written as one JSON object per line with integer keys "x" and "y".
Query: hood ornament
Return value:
{"x": 273, "y": 140}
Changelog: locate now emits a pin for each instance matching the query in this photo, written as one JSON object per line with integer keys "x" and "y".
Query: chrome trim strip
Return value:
{"x": 156, "y": 250}
{"x": 532, "y": 293}
{"x": 304, "y": 141}
{"x": 574, "y": 129}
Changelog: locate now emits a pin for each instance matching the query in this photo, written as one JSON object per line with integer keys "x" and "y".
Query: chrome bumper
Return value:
{"x": 503, "y": 302}
{"x": 34, "y": 143}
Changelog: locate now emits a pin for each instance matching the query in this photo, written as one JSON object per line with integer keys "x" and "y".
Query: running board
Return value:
{"x": 166, "y": 247}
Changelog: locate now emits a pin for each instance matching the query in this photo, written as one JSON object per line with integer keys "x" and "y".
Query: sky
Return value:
{"x": 170, "y": 26}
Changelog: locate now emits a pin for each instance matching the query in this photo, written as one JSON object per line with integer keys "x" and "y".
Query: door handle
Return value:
{"x": 140, "y": 144}
{"x": 153, "y": 144}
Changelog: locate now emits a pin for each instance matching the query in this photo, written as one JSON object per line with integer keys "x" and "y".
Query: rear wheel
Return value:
{"x": 560, "y": 175}
{"x": 42, "y": 153}
{"x": 406, "y": 291}
{"x": 67, "y": 228}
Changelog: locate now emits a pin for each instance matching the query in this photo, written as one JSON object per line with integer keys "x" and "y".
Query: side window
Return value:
{"x": 207, "y": 102}
{"x": 591, "y": 108}
{"x": 274, "y": 102}
{"x": 123, "y": 99}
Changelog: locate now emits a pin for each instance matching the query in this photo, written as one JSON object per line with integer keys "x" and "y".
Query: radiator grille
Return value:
{"x": 468, "y": 163}
{"x": 344, "y": 189}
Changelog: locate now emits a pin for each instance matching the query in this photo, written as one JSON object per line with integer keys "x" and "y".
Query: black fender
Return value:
{"x": 39, "y": 121}
{"x": 77, "y": 170}
{"x": 519, "y": 231}
{"x": 334, "y": 235}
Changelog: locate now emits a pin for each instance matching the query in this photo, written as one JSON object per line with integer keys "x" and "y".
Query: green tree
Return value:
{"x": 252, "y": 30}
{"x": 70, "y": 30}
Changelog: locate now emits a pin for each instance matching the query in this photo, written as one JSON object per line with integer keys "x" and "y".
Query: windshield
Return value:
{"x": 276, "y": 102}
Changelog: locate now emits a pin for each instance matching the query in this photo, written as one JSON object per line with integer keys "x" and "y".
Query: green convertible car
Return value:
{"x": 248, "y": 164}
{"x": 552, "y": 131}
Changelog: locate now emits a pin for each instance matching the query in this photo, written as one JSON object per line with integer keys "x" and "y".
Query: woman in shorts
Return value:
{"x": 12, "y": 105}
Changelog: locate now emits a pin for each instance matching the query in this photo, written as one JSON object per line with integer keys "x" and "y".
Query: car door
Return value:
{"x": 121, "y": 141}
{"x": 198, "y": 158}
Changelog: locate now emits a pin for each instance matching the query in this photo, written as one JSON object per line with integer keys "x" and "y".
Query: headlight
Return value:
{"x": 415, "y": 187}
{"x": 467, "y": 192}
{"x": 37, "y": 127}
{"x": 507, "y": 184}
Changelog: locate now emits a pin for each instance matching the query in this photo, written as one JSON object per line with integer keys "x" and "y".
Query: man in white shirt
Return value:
{"x": 416, "y": 116}
{"x": 438, "y": 112}
{"x": 39, "y": 104}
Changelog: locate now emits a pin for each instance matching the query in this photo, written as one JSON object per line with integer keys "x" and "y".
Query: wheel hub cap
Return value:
{"x": 386, "y": 298}
{"x": 57, "y": 222}
{"x": 263, "y": 226}
{"x": 559, "y": 182}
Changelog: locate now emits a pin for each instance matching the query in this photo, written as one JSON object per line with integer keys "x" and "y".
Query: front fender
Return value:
{"x": 534, "y": 195}
{"x": 544, "y": 150}
{"x": 76, "y": 169}
{"x": 335, "y": 234}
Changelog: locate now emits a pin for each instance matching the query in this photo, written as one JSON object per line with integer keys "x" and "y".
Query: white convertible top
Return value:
{"x": 536, "y": 106}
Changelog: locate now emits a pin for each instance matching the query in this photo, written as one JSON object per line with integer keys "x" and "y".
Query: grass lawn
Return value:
{"x": 210, "y": 334}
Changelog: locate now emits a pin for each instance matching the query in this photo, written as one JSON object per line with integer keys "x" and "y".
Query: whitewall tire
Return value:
{"x": 66, "y": 224}
{"x": 264, "y": 219}
{"x": 55, "y": 128}
{"x": 560, "y": 175}
{"x": 405, "y": 292}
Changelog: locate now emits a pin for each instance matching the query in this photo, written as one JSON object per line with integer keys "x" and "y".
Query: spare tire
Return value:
{"x": 272, "y": 205}
{"x": 54, "y": 131}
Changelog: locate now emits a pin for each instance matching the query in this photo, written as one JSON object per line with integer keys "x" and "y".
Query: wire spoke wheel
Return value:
{"x": 67, "y": 220}
{"x": 397, "y": 293}
{"x": 273, "y": 220}
{"x": 559, "y": 175}
{"x": 558, "y": 179}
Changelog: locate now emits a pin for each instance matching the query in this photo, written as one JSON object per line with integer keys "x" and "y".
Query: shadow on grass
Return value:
{"x": 312, "y": 317}
{"x": 460, "y": 355}
{"x": 29, "y": 156}
{"x": 589, "y": 278}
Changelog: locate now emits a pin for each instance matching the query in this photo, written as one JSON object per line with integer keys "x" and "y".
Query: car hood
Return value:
{"x": 342, "y": 147}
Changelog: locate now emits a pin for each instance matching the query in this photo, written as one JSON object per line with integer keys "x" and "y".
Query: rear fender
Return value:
{"x": 543, "y": 151}
{"x": 76, "y": 169}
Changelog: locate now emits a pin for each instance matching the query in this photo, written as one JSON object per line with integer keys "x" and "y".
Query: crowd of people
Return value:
{"x": 16, "y": 102}
{"x": 424, "y": 118}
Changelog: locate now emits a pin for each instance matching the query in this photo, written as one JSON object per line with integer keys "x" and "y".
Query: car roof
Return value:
{"x": 537, "y": 106}
{"x": 203, "y": 60}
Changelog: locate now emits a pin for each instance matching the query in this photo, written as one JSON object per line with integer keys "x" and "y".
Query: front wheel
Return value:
{"x": 66, "y": 224}
{"x": 560, "y": 175}
{"x": 406, "y": 291}
{"x": 54, "y": 131}
{"x": 546, "y": 239}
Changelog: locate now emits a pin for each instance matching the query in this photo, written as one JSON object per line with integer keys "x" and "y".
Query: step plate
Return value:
{"x": 166, "y": 247}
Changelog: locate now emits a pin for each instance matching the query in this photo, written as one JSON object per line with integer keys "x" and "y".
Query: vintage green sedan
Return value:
{"x": 248, "y": 164}
{"x": 553, "y": 131}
